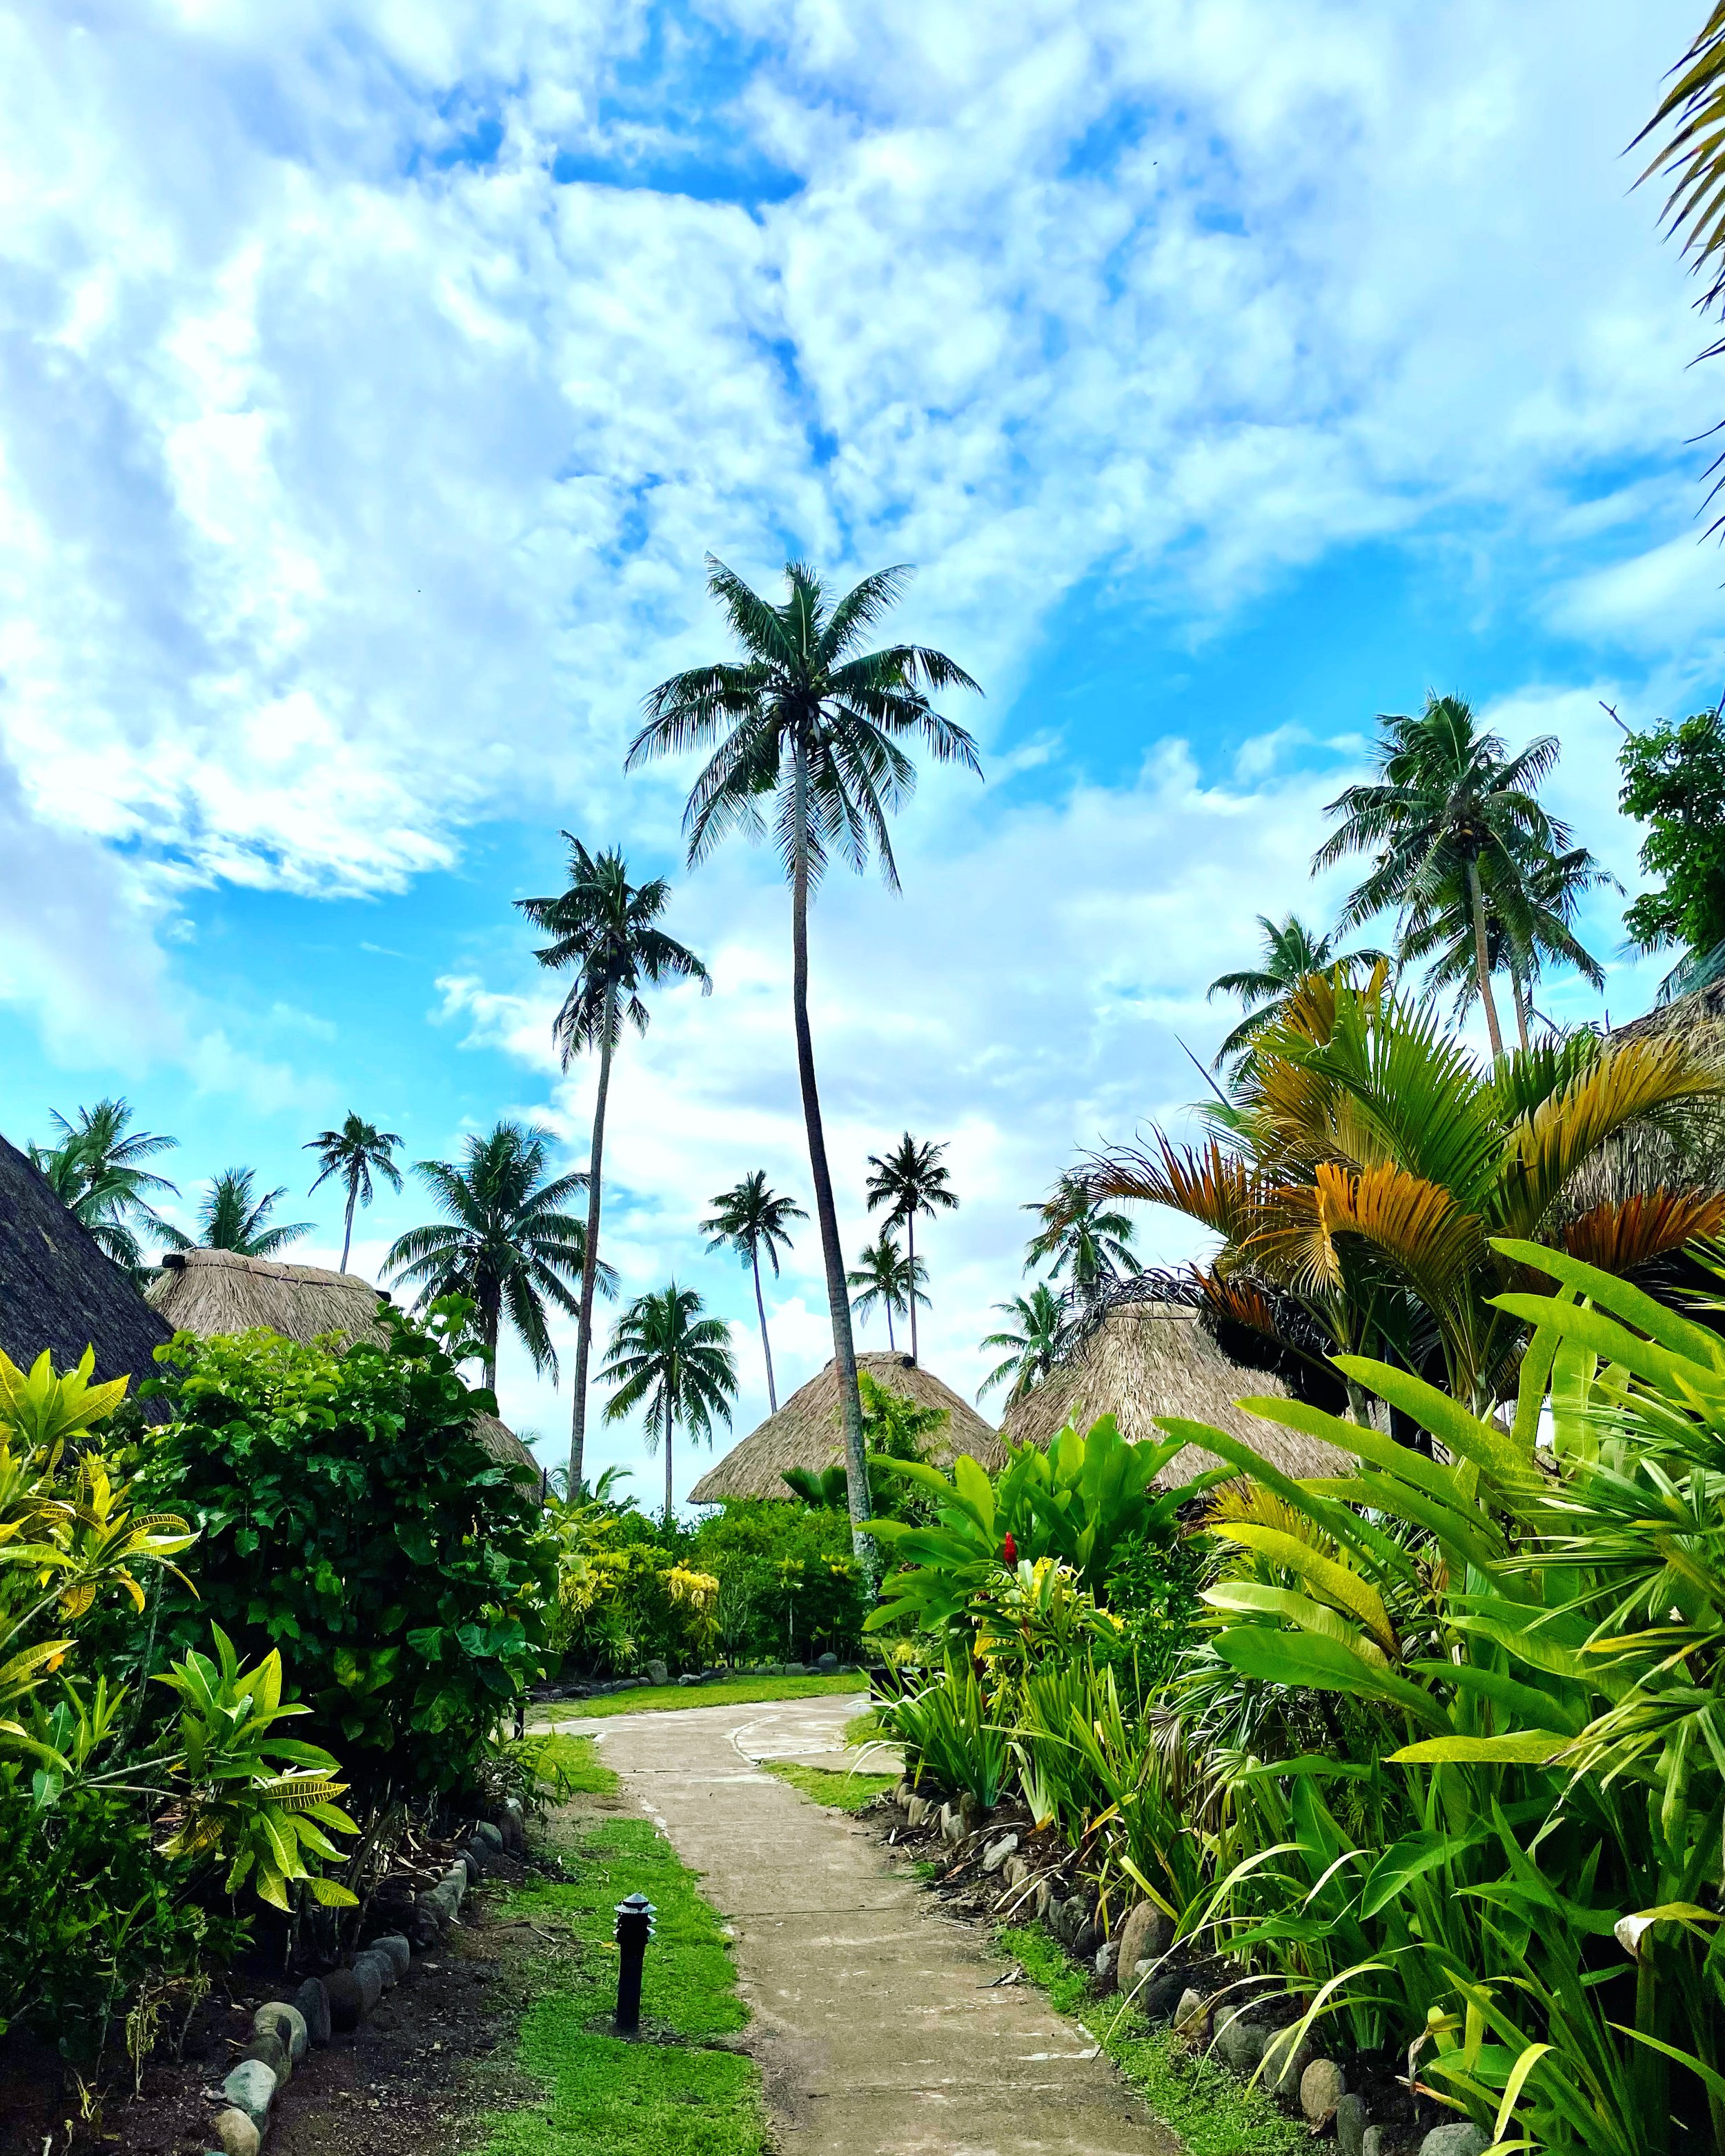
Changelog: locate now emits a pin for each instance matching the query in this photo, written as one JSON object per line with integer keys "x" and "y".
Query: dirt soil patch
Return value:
{"x": 438, "y": 2048}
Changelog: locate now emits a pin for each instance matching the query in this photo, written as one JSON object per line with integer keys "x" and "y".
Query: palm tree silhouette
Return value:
{"x": 1033, "y": 1348}
{"x": 888, "y": 1278}
{"x": 506, "y": 1243}
{"x": 232, "y": 1217}
{"x": 1079, "y": 1239}
{"x": 96, "y": 1175}
{"x": 664, "y": 1354}
{"x": 1449, "y": 805}
{"x": 806, "y": 717}
{"x": 908, "y": 1181}
{"x": 603, "y": 926}
{"x": 355, "y": 1153}
{"x": 1291, "y": 954}
{"x": 749, "y": 1219}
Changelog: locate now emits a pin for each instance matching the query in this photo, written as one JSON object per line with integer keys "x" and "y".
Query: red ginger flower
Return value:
{"x": 1008, "y": 1549}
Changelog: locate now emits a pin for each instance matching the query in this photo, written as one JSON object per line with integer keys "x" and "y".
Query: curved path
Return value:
{"x": 878, "y": 2023}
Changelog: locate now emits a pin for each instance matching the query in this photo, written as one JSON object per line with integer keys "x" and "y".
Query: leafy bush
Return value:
{"x": 93, "y": 1906}
{"x": 1089, "y": 1501}
{"x": 789, "y": 1585}
{"x": 348, "y": 1511}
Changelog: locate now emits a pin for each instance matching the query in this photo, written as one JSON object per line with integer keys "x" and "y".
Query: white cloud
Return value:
{"x": 348, "y": 495}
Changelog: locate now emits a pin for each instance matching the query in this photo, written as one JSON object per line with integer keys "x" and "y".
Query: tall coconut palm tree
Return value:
{"x": 1538, "y": 933}
{"x": 96, "y": 1175}
{"x": 605, "y": 928}
{"x": 808, "y": 718}
{"x": 1033, "y": 1348}
{"x": 354, "y": 1153}
{"x": 1449, "y": 803}
{"x": 908, "y": 1181}
{"x": 749, "y": 1219}
{"x": 1290, "y": 952}
{"x": 506, "y": 1241}
{"x": 232, "y": 1216}
{"x": 664, "y": 1354}
{"x": 888, "y": 1280}
{"x": 1081, "y": 1238}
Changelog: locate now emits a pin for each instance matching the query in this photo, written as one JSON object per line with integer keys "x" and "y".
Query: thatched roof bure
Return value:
{"x": 1155, "y": 1359}
{"x": 808, "y": 1432}
{"x": 56, "y": 1290}
{"x": 211, "y": 1291}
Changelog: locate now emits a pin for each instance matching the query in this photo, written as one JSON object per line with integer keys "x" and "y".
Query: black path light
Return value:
{"x": 634, "y": 1927}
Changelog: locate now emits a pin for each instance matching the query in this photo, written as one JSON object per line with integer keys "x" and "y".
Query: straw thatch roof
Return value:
{"x": 58, "y": 1292}
{"x": 1154, "y": 1358}
{"x": 1697, "y": 1019}
{"x": 808, "y": 1432}
{"x": 210, "y": 1291}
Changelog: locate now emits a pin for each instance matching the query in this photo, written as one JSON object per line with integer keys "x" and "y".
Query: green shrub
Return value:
{"x": 349, "y": 1515}
{"x": 120, "y": 1850}
{"x": 789, "y": 1585}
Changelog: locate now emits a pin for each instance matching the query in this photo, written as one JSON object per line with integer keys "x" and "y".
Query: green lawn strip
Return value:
{"x": 604, "y": 2097}
{"x": 1215, "y": 2112}
{"x": 729, "y": 1692}
{"x": 849, "y": 1792}
{"x": 864, "y": 1729}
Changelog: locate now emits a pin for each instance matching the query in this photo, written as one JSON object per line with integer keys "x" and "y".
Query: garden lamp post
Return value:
{"x": 634, "y": 1927}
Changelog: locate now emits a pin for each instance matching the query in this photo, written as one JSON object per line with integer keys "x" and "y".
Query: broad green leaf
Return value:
{"x": 1613, "y": 1342}
{"x": 1622, "y": 1298}
{"x": 1405, "y": 1861}
{"x": 1523, "y": 1747}
{"x": 1295, "y": 1659}
{"x": 1254, "y": 1598}
{"x": 1465, "y": 1435}
{"x": 1335, "y": 1582}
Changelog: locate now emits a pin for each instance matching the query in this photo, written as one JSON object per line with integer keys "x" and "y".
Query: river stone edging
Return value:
{"x": 284, "y": 2032}
{"x": 1138, "y": 1958}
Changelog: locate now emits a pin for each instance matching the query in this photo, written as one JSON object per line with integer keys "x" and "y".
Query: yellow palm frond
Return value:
{"x": 1619, "y": 1234}
{"x": 1207, "y": 1184}
{"x": 1637, "y": 1080}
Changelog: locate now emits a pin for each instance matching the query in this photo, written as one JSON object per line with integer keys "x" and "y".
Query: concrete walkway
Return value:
{"x": 878, "y": 2025}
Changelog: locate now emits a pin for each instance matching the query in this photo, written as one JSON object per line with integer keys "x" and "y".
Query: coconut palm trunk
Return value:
{"x": 1476, "y": 901}
{"x": 825, "y": 1211}
{"x": 347, "y": 1229}
{"x": 911, "y": 1252}
{"x": 1522, "y": 1001}
{"x": 668, "y": 1500}
{"x": 490, "y": 1314}
{"x": 590, "y": 1255}
{"x": 765, "y": 1344}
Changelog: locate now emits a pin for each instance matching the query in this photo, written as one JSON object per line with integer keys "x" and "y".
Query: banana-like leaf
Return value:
{"x": 1524, "y": 1748}
{"x": 1319, "y": 1665}
{"x": 1334, "y": 1582}
{"x": 1252, "y": 1598}
{"x": 1467, "y": 1435}
{"x": 1407, "y": 1859}
{"x": 1622, "y": 1298}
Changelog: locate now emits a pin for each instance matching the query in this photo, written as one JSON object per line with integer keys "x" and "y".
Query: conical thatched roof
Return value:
{"x": 807, "y": 1432}
{"x": 210, "y": 1291}
{"x": 1154, "y": 1358}
{"x": 1697, "y": 1019}
{"x": 58, "y": 1292}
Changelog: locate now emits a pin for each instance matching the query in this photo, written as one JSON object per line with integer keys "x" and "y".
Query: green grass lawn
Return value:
{"x": 728, "y": 1691}
{"x": 689, "y": 2096}
{"x": 1214, "y": 2112}
{"x": 849, "y": 1792}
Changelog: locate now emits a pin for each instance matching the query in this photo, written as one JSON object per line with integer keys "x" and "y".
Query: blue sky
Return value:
{"x": 374, "y": 378}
